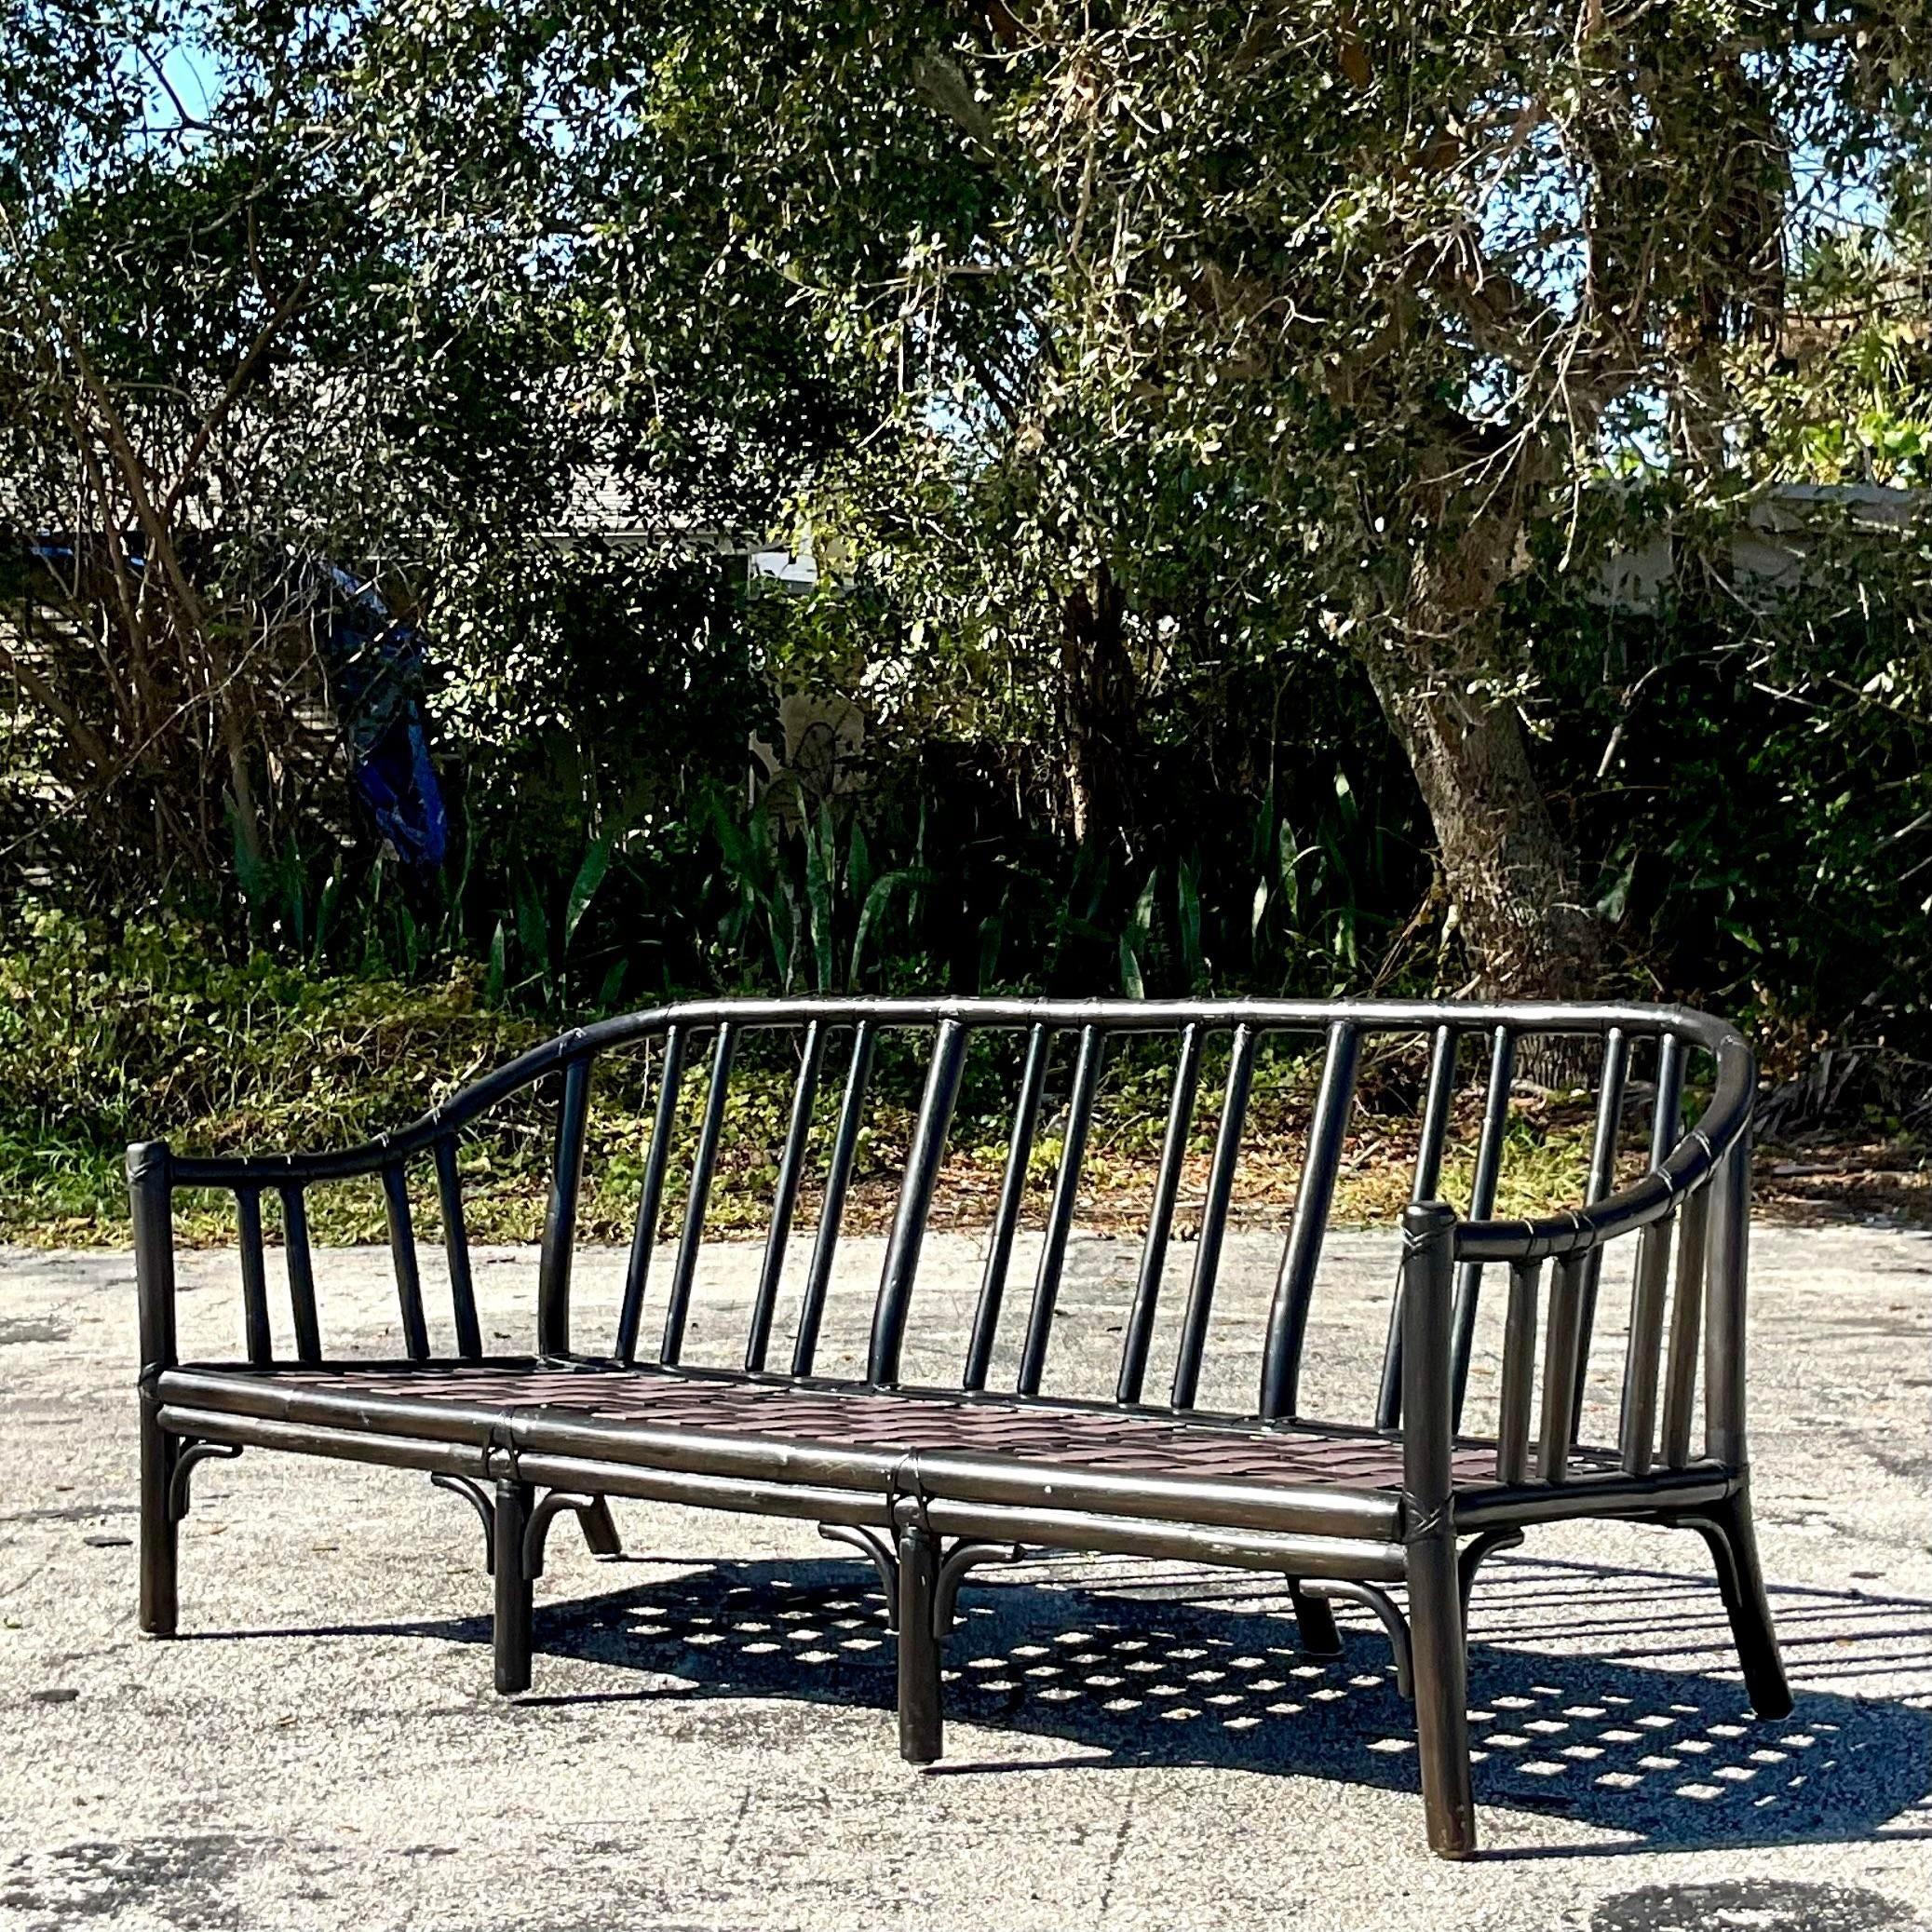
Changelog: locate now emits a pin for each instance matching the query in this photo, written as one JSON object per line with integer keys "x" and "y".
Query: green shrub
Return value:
{"x": 158, "y": 1030}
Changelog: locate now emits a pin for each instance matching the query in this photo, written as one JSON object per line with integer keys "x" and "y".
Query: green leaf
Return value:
{"x": 534, "y": 928}
{"x": 597, "y": 862}
{"x": 859, "y": 864}
{"x": 907, "y": 878}
{"x": 1288, "y": 867}
{"x": 1616, "y": 895}
{"x": 498, "y": 973}
{"x": 992, "y": 934}
{"x": 1345, "y": 797}
{"x": 1188, "y": 905}
{"x": 1133, "y": 940}
{"x": 1265, "y": 830}
{"x": 325, "y": 912}
{"x": 820, "y": 859}
{"x": 782, "y": 925}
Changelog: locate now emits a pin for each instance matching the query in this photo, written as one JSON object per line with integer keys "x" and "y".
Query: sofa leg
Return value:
{"x": 1726, "y": 1528}
{"x": 920, "y": 1727}
{"x": 1478, "y": 1551}
{"x": 1440, "y": 1666}
{"x": 160, "y": 1533}
{"x": 513, "y": 1591}
{"x": 1314, "y": 1623}
{"x": 601, "y": 1536}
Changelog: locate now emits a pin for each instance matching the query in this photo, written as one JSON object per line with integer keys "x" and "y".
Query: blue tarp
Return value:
{"x": 376, "y": 675}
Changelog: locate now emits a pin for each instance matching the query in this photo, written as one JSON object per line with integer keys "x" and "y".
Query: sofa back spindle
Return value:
{"x": 924, "y": 1159}
{"x": 1612, "y": 1075}
{"x": 1483, "y": 1204}
{"x": 831, "y": 1211}
{"x": 260, "y": 1343}
{"x": 1686, "y": 1319}
{"x": 559, "y": 1239}
{"x": 1059, "y": 1213}
{"x": 300, "y": 1265}
{"x": 1728, "y": 1252}
{"x": 1005, "y": 1218}
{"x": 791, "y": 1166}
{"x": 1518, "y": 1373}
{"x": 402, "y": 1256}
{"x": 1294, "y": 1288}
{"x": 698, "y": 1199}
{"x": 462, "y": 1294}
{"x": 1426, "y": 1184}
{"x": 1137, "y": 1335}
{"x": 1214, "y": 1212}
{"x": 650, "y": 1207}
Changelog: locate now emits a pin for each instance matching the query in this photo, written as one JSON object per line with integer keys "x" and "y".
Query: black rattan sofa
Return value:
{"x": 929, "y": 1481}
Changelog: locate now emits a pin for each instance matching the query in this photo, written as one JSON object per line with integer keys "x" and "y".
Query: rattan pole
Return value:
{"x": 512, "y": 1632}
{"x": 1686, "y": 1325}
{"x": 463, "y": 1293}
{"x": 1060, "y": 1213}
{"x": 1435, "y": 1592}
{"x": 792, "y": 1164}
{"x": 1611, "y": 1081}
{"x": 1518, "y": 1373}
{"x": 1193, "y": 1344}
{"x": 1724, "y": 1333}
{"x": 1006, "y": 1220}
{"x": 1294, "y": 1289}
{"x": 1561, "y": 1347}
{"x": 921, "y": 1735}
{"x": 650, "y": 1207}
{"x": 1139, "y": 1337}
{"x": 922, "y": 1164}
{"x": 1483, "y": 1202}
{"x": 299, "y": 1262}
{"x": 254, "y": 1276}
{"x": 152, "y": 1202}
{"x": 704, "y": 1165}
{"x": 1646, "y": 1281}
{"x": 402, "y": 1254}
{"x": 838, "y": 1179}
{"x": 1437, "y": 1100}
{"x": 553, "y": 1265}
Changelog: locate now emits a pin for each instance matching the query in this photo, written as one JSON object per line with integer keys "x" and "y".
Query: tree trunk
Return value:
{"x": 1099, "y": 698}
{"x": 1528, "y": 933}
{"x": 1435, "y": 659}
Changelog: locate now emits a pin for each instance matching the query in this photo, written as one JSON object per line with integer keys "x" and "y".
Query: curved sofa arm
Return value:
{"x": 1690, "y": 1166}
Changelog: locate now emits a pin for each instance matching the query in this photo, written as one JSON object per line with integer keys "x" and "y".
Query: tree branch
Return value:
{"x": 237, "y": 381}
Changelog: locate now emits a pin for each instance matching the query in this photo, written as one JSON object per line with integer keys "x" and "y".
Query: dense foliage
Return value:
{"x": 1304, "y": 499}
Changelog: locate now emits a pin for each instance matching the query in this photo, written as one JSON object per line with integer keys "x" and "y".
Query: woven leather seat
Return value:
{"x": 895, "y": 1425}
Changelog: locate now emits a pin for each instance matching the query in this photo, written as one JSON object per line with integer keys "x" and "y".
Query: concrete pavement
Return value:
{"x": 709, "y": 1742}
